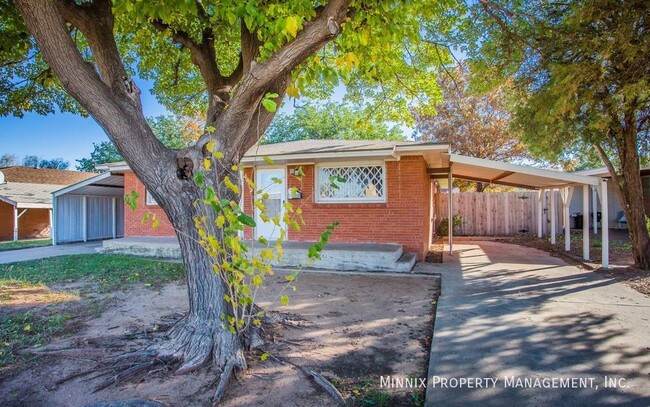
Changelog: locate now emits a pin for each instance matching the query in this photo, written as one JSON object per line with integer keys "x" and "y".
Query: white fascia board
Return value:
{"x": 536, "y": 172}
{"x": 421, "y": 147}
{"x": 34, "y": 205}
{"x": 7, "y": 200}
{"x": 386, "y": 153}
{"x": 81, "y": 184}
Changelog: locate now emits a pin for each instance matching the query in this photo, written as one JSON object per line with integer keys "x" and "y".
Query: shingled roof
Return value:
{"x": 47, "y": 176}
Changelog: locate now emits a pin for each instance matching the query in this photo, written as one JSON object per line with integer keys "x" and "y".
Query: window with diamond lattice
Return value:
{"x": 362, "y": 183}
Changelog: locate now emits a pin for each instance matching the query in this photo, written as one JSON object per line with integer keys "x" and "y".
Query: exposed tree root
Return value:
{"x": 318, "y": 378}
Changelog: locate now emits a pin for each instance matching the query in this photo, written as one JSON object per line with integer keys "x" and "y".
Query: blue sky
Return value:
{"x": 61, "y": 135}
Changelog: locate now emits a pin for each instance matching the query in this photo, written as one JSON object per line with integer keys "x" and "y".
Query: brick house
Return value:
{"x": 26, "y": 199}
{"x": 385, "y": 204}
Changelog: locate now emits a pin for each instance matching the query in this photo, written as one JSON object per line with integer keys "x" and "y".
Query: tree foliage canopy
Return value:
{"x": 474, "y": 124}
{"x": 329, "y": 121}
{"x": 193, "y": 49}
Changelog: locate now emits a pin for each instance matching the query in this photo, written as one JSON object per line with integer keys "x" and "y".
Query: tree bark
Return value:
{"x": 199, "y": 338}
{"x": 629, "y": 190}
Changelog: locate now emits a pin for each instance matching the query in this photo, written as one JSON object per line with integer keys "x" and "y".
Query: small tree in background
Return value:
{"x": 54, "y": 163}
{"x": 474, "y": 124}
{"x": 8, "y": 160}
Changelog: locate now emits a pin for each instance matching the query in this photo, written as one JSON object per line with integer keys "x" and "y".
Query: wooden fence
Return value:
{"x": 499, "y": 213}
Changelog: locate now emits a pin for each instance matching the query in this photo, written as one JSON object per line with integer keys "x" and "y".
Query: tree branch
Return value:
{"x": 117, "y": 114}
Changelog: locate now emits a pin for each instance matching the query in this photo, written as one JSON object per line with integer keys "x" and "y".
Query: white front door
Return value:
{"x": 267, "y": 181}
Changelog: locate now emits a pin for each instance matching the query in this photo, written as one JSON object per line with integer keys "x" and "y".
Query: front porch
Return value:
{"x": 335, "y": 256}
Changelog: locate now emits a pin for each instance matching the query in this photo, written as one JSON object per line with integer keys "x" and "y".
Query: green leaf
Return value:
{"x": 246, "y": 220}
{"x": 268, "y": 160}
{"x": 284, "y": 300}
{"x": 269, "y": 105}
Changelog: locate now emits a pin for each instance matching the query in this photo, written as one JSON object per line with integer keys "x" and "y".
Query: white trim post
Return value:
{"x": 585, "y": 222}
{"x": 114, "y": 217}
{"x": 594, "y": 208}
{"x": 15, "y": 223}
{"x": 53, "y": 229}
{"x": 604, "y": 222}
{"x": 540, "y": 195}
{"x": 84, "y": 218}
{"x": 553, "y": 216}
{"x": 450, "y": 217}
{"x": 51, "y": 224}
{"x": 566, "y": 202}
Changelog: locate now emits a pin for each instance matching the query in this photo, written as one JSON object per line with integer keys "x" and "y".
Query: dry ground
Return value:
{"x": 350, "y": 328}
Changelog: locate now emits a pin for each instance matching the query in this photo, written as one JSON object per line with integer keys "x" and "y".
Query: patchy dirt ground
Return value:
{"x": 350, "y": 328}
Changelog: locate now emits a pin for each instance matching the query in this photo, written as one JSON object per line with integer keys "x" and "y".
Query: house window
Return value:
{"x": 363, "y": 183}
{"x": 149, "y": 199}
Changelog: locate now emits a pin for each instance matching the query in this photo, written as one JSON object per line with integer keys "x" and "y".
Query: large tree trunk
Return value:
{"x": 632, "y": 190}
{"x": 628, "y": 187}
{"x": 199, "y": 338}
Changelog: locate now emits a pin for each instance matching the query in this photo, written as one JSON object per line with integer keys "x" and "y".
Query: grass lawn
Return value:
{"x": 109, "y": 271}
{"x": 24, "y": 244}
{"x": 32, "y": 312}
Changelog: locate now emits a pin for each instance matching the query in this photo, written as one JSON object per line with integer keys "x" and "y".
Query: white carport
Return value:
{"x": 495, "y": 172}
{"x": 89, "y": 210}
{"x": 24, "y": 197}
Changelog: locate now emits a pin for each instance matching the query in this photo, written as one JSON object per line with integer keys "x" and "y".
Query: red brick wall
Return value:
{"x": 33, "y": 223}
{"x": 6, "y": 221}
{"x": 133, "y": 219}
{"x": 403, "y": 219}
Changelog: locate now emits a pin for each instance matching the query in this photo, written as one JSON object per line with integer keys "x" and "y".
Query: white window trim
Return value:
{"x": 149, "y": 200}
{"x": 319, "y": 199}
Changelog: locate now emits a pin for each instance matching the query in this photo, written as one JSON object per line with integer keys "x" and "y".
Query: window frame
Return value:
{"x": 149, "y": 200}
{"x": 319, "y": 199}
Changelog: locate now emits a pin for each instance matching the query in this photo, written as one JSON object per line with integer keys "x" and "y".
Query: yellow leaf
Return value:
{"x": 257, "y": 280}
{"x": 293, "y": 92}
{"x": 218, "y": 154}
{"x": 220, "y": 221}
{"x": 207, "y": 164}
{"x": 234, "y": 188}
{"x": 292, "y": 25}
{"x": 317, "y": 59}
{"x": 27, "y": 328}
{"x": 352, "y": 60}
{"x": 284, "y": 300}
{"x": 264, "y": 356}
{"x": 210, "y": 146}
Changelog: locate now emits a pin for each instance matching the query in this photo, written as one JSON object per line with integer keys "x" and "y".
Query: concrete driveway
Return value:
{"x": 508, "y": 312}
{"x": 35, "y": 253}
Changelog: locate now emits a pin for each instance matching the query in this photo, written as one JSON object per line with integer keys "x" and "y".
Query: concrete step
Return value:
{"x": 406, "y": 263}
{"x": 342, "y": 256}
{"x": 335, "y": 256}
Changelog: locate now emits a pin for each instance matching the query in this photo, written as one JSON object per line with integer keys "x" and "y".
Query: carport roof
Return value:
{"x": 26, "y": 195}
{"x": 496, "y": 172}
{"x": 105, "y": 184}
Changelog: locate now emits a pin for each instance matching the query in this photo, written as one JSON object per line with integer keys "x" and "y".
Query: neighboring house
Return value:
{"x": 615, "y": 208}
{"x": 26, "y": 199}
{"x": 387, "y": 197}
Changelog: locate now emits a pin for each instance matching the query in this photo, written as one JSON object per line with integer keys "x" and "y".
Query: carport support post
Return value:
{"x": 594, "y": 208}
{"x": 553, "y": 216}
{"x": 114, "y": 217}
{"x": 84, "y": 218}
{"x": 16, "y": 223}
{"x": 540, "y": 197}
{"x": 566, "y": 203}
{"x": 585, "y": 222}
{"x": 604, "y": 222}
{"x": 450, "y": 218}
